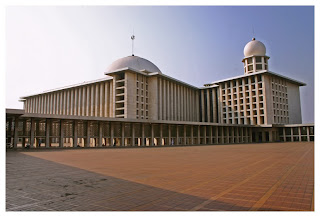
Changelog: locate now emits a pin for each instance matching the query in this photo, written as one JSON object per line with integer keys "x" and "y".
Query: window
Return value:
{"x": 258, "y": 59}
{"x": 259, "y": 66}
{"x": 250, "y": 68}
{"x": 249, "y": 60}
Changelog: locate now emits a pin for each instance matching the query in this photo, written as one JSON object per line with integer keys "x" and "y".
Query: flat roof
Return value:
{"x": 69, "y": 86}
{"x": 128, "y": 120}
{"x": 15, "y": 111}
{"x": 257, "y": 73}
{"x": 210, "y": 85}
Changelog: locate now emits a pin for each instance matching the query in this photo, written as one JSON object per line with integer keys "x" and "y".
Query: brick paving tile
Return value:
{"x": 264, "y": 177}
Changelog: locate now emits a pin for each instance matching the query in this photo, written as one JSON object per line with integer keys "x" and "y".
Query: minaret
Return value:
{"x": 255, "y": 58}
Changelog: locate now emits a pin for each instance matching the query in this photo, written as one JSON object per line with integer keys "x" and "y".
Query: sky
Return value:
{"x": 54, "y": 46}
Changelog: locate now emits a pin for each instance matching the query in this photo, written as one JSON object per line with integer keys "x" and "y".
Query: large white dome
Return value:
{"x": 133, "y": 62}
{"x": 255, "y": 48}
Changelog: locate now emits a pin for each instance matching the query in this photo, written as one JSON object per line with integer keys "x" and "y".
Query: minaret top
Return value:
{"x": 255, "y": 58}
{"x": 254, "y": 48}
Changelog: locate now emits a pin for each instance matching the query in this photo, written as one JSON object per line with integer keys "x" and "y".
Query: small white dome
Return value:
{"x": 133, "y": 62}
{"x": 255, "y": 48}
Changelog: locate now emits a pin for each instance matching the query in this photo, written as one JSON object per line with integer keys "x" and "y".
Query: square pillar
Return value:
{"x": 250, "y": 134}
{"x": 10, "y": 131}
{"x": 236, "y": 134}
{"x": 205, "y": 135}
{"x": 241, "y": 131}
{"x": 217, "y": 134}
{"x": 32, "y": 133}
{"x": 210, "y": 135}
{"x": 133, "y": 142}
{"x": 198, "y": 136}
{"x": 232, "y": 134}
{"x": 37, "y": 133}
{"x": 152, "y": 135}
{"x": 299, "y": 130}
{"x": 291, "y": 130}
{"x": 284, "y": 134}
{"x": 228, "y": 134}
{"x": 75, "y": 134}
{"x": 177, "y": 133}
{"x": 61, "y": 134}
{"x": 161, "y": 135}
{"x": 184, "y": 135}
{"x": 191, "y": 131}
{"x": 24, "y": 133}
{"x": 15, "y": 132}
{"x": 142, "y": 135}
{"x": 122, "y": 134}
{"x": 222, "y": 135}
{"x": 48, "y": 125}
{"x": 308, "y": 134}
{"x": 112, "y": 143}
{"x": 87, "y": 140}
{"x": 169, "y": 135}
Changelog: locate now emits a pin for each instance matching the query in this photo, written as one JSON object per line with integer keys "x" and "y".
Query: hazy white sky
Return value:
{"x": 50, "y": 47}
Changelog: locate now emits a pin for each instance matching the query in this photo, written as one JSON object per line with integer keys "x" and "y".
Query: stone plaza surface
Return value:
{"x": 242, "y": 177}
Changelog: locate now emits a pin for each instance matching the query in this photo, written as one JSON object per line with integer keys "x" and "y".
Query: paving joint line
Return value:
{"x": 233, "y": 187}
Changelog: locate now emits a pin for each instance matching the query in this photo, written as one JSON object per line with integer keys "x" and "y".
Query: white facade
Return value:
{"x": 135, "y": 88}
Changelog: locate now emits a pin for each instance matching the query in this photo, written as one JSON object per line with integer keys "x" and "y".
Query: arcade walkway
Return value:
{"x": 265, "y": 176}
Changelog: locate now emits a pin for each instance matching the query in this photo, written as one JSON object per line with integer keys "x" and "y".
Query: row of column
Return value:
{"x": 198, "y": 137}
{"x": 88, "y": 100}
{"x": 177, "y": 102}
{"x": 209, "y": 105}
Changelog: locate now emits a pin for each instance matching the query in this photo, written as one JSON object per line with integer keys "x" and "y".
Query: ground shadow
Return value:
{"x": 34, "y": 184}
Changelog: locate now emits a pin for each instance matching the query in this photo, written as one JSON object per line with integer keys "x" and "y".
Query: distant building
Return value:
{"x": 135, "y": 104}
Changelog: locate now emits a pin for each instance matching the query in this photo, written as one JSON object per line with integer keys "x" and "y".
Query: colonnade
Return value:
{"x": 50, "y": 132}
{"x": 78, "y": 133}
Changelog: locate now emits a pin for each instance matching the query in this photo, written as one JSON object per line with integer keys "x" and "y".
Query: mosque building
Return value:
{"x": 137, "y": 105}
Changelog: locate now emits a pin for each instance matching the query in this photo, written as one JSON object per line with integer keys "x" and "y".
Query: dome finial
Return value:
{"x": 132, "y": 38}
{"x": 253, "y": 38}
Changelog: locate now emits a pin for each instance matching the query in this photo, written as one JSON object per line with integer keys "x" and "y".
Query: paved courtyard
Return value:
{"x": 274, "y": 176}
